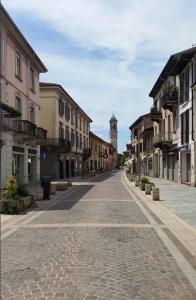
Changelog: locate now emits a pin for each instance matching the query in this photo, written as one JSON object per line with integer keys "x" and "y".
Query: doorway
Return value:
{"x": 67, "y": 168}
{"x": 61, "y": 171}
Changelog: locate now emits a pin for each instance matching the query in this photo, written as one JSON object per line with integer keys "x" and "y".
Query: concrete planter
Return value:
{"x": 69, "y": 183}
{"x": 20, "y": 205}
{"x": 39, "y": 195}
{"x": 137, "y": 182}
{"x": 155, "y": 194}
{"x": 1, "y": 206}
{"x": 26, "y": 202}
{"x": 61, "y": 186}
{"x": 52, "y": 188}
{"x": 142, "y": 186}
{"x": 148, "y": 188}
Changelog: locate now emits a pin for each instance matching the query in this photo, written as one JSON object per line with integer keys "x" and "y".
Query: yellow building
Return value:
{"x": 102, "y": 154}
{"x": 20, "y": 104}
{"x": 67, "y": 150}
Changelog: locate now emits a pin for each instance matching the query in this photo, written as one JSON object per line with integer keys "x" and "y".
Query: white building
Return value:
{"x": 174, "y": 117}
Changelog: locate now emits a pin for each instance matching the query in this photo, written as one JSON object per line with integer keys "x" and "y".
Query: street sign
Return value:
{"x": 44, "y": 155}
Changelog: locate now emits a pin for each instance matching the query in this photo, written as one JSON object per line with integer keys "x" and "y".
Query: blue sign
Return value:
{"x": 44, "y": 155}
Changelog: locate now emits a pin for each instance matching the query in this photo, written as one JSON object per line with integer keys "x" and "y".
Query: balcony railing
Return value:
{"x": 169, "y": 99}
{"x": 86, "y": 152}
{"x": 156, "y": 116}
{"x": 56, "y": 145}
{"x": 162, "y": 140}
{"x": 20, "y": 126}
{"x": 41, "y": 133}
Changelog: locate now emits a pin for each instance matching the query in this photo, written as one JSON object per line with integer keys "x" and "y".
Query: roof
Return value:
{"x": 175, "y": 64}
{"x": 56, "y": 85}
{"x": 138, "y": 120}
{"x": 31, "y": 52}
{"x": 92, "y": 134}
{"x": 113, "y": 118}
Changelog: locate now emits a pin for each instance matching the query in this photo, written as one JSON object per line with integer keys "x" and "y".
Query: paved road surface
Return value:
{"x": 95, "y": 244}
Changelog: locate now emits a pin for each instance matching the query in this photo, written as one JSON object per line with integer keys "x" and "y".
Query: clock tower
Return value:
{"x": 113, "y": 135}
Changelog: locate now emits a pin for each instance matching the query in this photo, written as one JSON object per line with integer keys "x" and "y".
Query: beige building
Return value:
{"x": 102, "y": 154}
{"x": 20, "y": 104}
{"x": 66, "y": 151}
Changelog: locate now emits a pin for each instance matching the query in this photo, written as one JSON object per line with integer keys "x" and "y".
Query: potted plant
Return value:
{"x": 143, "y": 181}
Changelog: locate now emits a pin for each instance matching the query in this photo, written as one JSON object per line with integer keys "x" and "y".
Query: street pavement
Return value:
{"x": 94, "y": 243}
{"x": 179, "y": 198}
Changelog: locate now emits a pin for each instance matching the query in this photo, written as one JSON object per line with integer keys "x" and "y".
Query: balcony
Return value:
{"x": 56, "y": 145}
{"x": 41, "y": 133}
{"x": 86, "y": 152}
{"x": 103, "y": 155}
{"x": 169, "y": 99}
{"x": 23, "y": 127}
{"x": 156, "y": 116}
{"x": 162, "y": 140}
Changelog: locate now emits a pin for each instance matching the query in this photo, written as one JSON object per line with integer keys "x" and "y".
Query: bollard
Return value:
{"x": 53, "y": 188}
{"x": 148, "y": 188}
{"x": 137, "y": 182}
{"x": 155, "y": 194}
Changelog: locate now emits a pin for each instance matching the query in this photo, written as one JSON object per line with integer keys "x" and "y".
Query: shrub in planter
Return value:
{"x": 27, "y": 201}
{"x": 143, "y": 181}
{"x": 22, "y": 191}
{"x": 9, "y": 206}
{"x": 11, "y": 188}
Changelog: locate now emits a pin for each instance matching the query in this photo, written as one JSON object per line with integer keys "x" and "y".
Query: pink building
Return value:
{"x": 20, "y": 104}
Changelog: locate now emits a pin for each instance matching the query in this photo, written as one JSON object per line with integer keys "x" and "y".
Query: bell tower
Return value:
{"x": 113, "y": 135}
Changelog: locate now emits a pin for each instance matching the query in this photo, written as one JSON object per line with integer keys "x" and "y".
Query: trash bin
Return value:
{"x": 45, "y": 184}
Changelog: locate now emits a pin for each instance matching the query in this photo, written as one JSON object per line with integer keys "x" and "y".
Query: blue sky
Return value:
{"x": 106, "y": 54}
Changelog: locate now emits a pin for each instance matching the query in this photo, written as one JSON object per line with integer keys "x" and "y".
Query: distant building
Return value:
{"x": 102, "y": 154}
{"x": 21, "y": 133}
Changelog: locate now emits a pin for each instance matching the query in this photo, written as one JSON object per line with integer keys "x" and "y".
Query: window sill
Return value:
{"x": 32, "y": 90}
{"x": 18, "y": 77}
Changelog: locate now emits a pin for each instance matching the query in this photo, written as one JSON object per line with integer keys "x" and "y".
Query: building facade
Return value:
{"x": 174, "y": 118}
{"x": 102, "y": 154}
{"x": 20, "y": 104}
{"x": 67, "y": 150}
{"x": 141, "y": 148}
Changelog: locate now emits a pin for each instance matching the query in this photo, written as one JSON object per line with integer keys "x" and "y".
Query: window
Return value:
{"x": 185, "y": 127}
{"x": 72, "y": 138}
{"x": 76, "y": 117}
{"x": 18, "y": 104}
{"x": 32, "y": 79}
{"x": 72, "y": 115}
{"x": 61, "y": 107}
{"x": 80, "y": 141}
{"x": 67, "y": 113}
{"x": 80, "y": 123}
{"x": 18, "y": 65}
{"x": 61, "y": 131}
{"x": 67, "y": 134}
{"x": 32, "y": 114}
{"x": 77, "y": 140}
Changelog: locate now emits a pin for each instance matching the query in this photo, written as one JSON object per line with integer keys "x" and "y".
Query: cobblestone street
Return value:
{"x": 96, "y": 243}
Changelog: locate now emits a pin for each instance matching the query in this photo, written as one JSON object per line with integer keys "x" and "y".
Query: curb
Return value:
{"x": 184, "y": 232}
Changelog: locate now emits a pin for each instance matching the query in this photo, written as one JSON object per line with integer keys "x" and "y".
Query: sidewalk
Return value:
{"x": 179, "y": 198}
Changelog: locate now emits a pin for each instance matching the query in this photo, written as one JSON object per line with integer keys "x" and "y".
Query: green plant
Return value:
{"x": 11, "y": 188}
{"x": 9, "y": 206}
{"x": 144, "y": 179}
{"x": 22, "y": 191}
{"x": 11, "y": 110}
